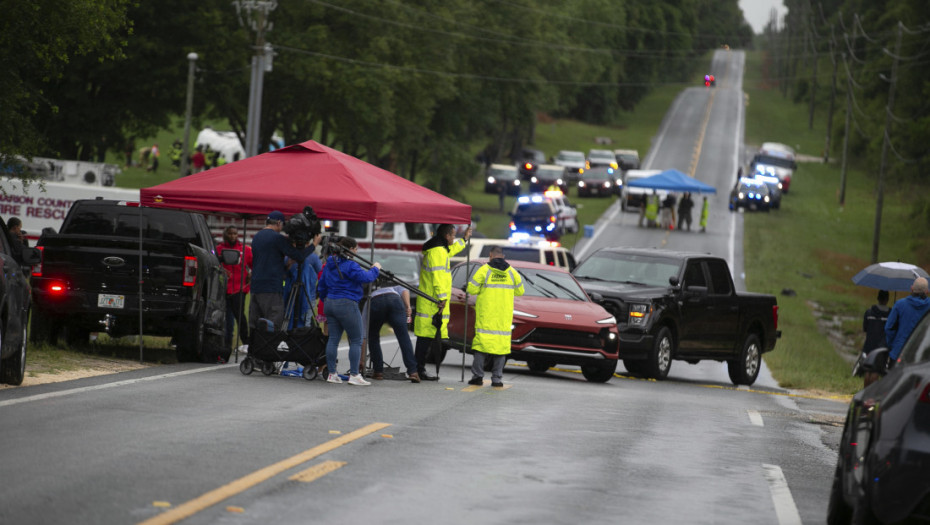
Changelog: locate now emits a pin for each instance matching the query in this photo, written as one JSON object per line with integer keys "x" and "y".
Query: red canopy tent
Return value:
{"x": 336, "y": 185}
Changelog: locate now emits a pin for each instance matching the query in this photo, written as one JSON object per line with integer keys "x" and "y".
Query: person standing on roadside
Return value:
{"x": 873, "y": 324}
{"x": 904, "y": 317}
{"x": 494, "y": 284}
{"x": 237, "y": 284}
{"x": 684, "y": 211}
{"x": 705, "y": 211}
{"x": 340, "y": 289}
{"x": 435, "y": 281}
{"x": 268, "y": 250}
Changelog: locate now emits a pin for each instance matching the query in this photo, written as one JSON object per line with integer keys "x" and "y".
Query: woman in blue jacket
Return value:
{"x": 340, "y": 289}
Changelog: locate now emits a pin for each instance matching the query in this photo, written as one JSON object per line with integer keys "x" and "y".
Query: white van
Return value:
{"x": 635, "y": 197}
{"x": 388, "y": 235}
{"x": 532, "y": 249}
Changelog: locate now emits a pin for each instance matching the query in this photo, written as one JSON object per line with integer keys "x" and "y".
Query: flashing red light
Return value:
{"x": 56, "y": 288}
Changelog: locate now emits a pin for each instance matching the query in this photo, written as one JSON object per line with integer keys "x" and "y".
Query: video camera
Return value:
{"x": 303, "y": 226}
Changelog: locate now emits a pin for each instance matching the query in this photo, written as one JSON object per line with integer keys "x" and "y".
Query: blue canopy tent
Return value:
{"x": 673, "y": 180}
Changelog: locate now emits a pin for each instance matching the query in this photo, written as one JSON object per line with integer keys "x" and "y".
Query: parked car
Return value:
{"x": 16, "y": 260}
{"x": 502, "y": 175}
{"x": 574, "y": 163}
{"x": 632, "y": 197}
{"x": 536, "y": 215}
{"x": 602, "y": 158}
{"x": 750, "y": 194}
{"x": 884, "y": 458}
{"x": 628, "y": 159}
{"x": 774, "y": 186}
{"x": 403, "y": 264}
{"x": 520, "y": 247}
{"x": 529, "y": 160}
{"x": 554, "y": 322}
{"x": 567, "y": 213}
{"x": 776, "y": 162}
{"x": 547, "y": 176}
{"x": 680, "y": 306}
{"x": 597, "y": 182}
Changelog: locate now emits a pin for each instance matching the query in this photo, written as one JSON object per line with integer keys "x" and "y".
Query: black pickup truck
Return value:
{"x": 675, "y": 305}
{"x": 89, "y": 279}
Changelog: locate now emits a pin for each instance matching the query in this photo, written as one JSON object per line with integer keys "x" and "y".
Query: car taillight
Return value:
{"x": 37, "y": 268}
{"x": 528, "y": 166}
{"x": 775, "y": 315}
{"x": 56, "y": 288}
{"x": 190, "y": 271}
{"x": 925, "y": 395}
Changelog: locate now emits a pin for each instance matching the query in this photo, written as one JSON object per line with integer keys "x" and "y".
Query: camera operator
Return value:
{"x": 268, "y": 250}
{"x": 306, "y": 297}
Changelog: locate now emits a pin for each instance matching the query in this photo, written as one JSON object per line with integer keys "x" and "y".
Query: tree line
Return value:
{"x": 413, "y": 86}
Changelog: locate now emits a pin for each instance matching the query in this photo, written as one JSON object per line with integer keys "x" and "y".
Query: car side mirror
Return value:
{"x": 596, "y": 297}
{"x": 230, "y": 257}
{"x": 673, "y": 280}
{"x": 876, "y": 361}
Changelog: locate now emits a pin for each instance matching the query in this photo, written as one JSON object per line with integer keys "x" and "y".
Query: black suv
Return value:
{"x": 536, "y": 215}
{"x": 529, "y": 161}
{"x": 16, "y": 260}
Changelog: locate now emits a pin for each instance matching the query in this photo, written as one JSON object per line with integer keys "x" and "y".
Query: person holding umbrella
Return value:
{"x": 435, "y": 281}
{"x": 904, "y": 317}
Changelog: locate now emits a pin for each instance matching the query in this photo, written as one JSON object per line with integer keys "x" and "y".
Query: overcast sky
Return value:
{"x": 757, "y": 12}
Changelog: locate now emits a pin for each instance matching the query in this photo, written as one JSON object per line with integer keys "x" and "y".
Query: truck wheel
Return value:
{"x": 43, "y": 328}
{"x": 190, "y": 343}
{"x": 76, "y": 335}
{"x": 599, "y": 372}
{"x": 538, "y": 366}
{"x": 658, "y": 363}
{"x": 745, "y": 369}
{"x": 13, "y": 368}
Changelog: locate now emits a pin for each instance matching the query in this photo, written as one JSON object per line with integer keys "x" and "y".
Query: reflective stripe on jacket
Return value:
{"x": 495, "y": 290}
{"x": 435, "y": 281}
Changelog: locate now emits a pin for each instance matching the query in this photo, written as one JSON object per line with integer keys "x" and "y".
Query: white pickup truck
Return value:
{"x": 635, "y": 197}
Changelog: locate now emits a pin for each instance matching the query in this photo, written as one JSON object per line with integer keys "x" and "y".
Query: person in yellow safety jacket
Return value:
{"x": 220, "y": 160}
{"x": 176, "y": 152}
{"x": 435, "y": 281}
{"x": 704, "y": 212}
{"x": 495, "y": 284}
{"x": 652, "y": 208}
{"x": 207, "y": 158}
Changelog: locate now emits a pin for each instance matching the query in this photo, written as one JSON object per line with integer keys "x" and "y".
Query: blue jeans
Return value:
{"x": 389, "y": 308}
{"x": 343, "y": 315}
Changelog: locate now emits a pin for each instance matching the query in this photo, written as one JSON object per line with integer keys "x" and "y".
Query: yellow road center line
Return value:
{"x": 244, "y": 483}
{"x": 700, "y": 143}
{"x": 317, "y": 471}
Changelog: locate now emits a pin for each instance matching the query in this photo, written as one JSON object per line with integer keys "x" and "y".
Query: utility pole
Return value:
{"x": 192, "y": 59}
{"x": 813, "y": 86}
{"x": 881, "y": 170}
{"x": 256, "y": 18}
{"x": 846, "y": 133}
{"x": 826, "y": 148}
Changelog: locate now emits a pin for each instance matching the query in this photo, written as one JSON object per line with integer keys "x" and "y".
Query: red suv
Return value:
{"x": 554, "y": 322}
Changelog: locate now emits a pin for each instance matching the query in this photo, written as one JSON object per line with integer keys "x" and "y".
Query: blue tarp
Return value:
{"x": 673, "y": 180}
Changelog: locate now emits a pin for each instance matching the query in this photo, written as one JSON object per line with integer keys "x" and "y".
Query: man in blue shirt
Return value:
{"x": 269, "y": 248}
{"x": 904, "y": 317}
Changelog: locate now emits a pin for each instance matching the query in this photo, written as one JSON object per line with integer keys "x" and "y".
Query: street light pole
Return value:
{"x": 260, "y": 24}
{"x": 192, "y": 58}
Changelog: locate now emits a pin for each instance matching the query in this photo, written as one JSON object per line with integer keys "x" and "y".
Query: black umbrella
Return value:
{"x": 891, "y": 276}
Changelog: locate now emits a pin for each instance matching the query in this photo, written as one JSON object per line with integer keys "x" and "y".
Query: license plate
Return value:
{"x": 110, "y": 301}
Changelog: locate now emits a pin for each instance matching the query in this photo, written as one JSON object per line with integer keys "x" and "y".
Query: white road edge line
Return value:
{"x": 785, "y": 509}
{"x": 755, "y": 418}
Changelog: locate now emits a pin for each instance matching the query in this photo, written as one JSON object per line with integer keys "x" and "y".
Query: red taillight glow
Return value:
{"x": 190, "y": 271}
{"x": 37, "y": 268}
{"x": 56, "y": 288}
{"x": 925, "y": 395}
{"x": 775, "y": 315}
{"x": 528, "y": 166}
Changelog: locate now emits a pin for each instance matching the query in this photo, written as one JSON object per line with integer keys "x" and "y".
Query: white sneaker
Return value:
{"x": 334, "y": 378}
{"x": 358, "y": 380}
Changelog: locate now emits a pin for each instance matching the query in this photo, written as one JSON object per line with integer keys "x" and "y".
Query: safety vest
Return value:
{"x": 495, "y": 289}
{"x": 652, "y": 207}
{"x": 176, "y": 152}
{"x": 435, "y": 281}
{"x": 704, "y": 210}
